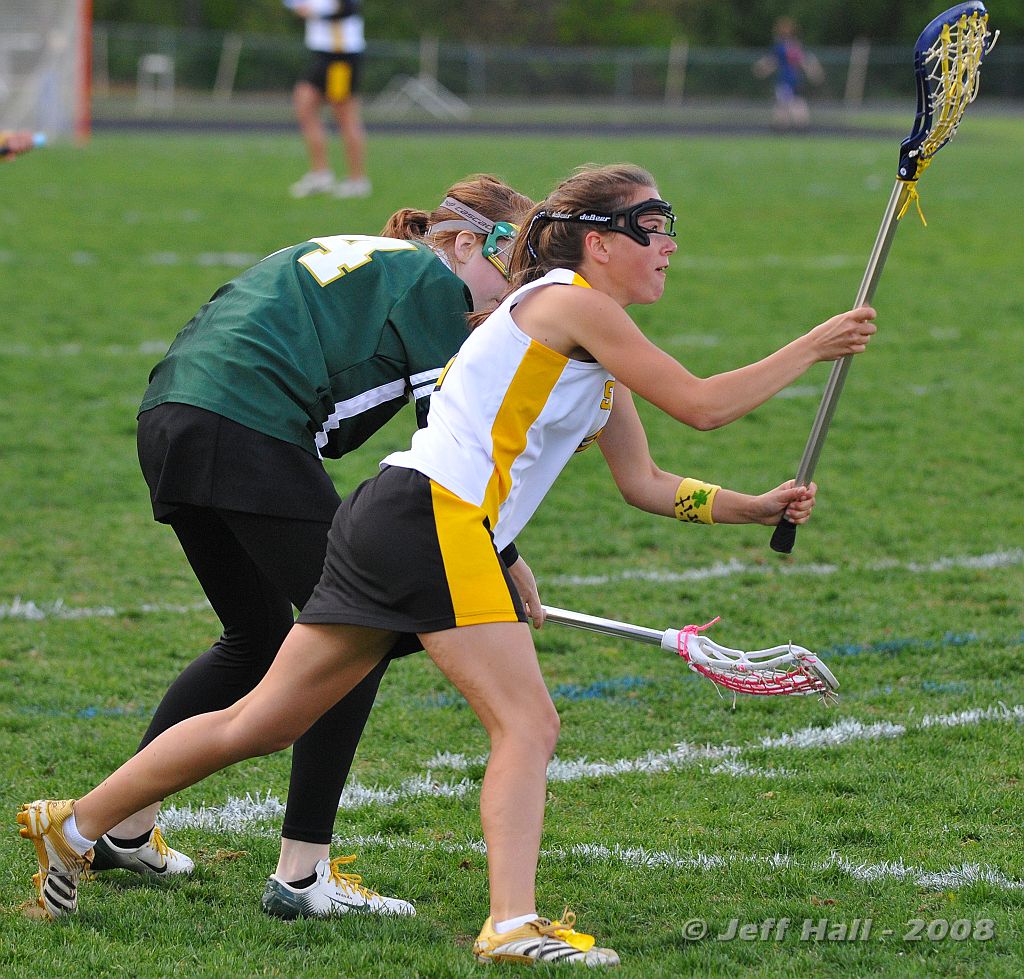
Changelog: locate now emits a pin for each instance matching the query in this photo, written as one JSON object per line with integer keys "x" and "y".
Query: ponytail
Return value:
{"x": 407, "y": 224}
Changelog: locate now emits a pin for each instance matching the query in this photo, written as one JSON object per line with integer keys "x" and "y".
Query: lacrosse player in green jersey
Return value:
{"x": 301, "y": 357}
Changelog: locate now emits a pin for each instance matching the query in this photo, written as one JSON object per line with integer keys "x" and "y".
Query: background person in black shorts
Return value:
{"x": 301, "y": 357}
{"x": 334, "y": 36}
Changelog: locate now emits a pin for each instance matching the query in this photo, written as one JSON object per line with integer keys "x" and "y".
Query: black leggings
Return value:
{"x": 254, "y": 569}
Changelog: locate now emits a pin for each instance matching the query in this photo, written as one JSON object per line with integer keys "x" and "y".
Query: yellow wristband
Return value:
{"x": 694, "y": 500}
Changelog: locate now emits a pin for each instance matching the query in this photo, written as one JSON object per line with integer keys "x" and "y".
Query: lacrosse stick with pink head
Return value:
{"x": 779, "y": 670}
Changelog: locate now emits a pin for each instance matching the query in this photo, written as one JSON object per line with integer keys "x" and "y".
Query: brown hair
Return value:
{"x": 559, "y": 244}
{"x": 492, "y": 197}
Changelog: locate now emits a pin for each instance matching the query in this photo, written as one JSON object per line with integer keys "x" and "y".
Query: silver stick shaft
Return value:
{"x": 607, "y": 627}
{"x": 834, "y": 387}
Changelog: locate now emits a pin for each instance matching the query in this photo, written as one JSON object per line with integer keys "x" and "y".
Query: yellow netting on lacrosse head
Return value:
{"x": 947, "y": 63}
{"x": 954, "y": 71}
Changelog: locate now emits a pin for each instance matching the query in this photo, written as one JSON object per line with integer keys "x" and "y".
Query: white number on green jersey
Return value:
{"x": 340, "y": 254}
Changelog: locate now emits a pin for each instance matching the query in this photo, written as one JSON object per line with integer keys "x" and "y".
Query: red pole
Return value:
{"x": 83, "y": 108}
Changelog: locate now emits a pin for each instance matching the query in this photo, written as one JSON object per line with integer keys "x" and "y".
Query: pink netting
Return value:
{"x": 743, "y": 678}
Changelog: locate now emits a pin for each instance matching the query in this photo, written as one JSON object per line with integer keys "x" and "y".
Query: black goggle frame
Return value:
{"x": 625, "y": 220}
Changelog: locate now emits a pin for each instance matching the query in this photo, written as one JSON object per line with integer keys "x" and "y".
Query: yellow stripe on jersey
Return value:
{"x": 476, "y": 583}
{"x": 444, "y": 373}
{"x": 339, "y": 81}
{"x": 527, "y": 393}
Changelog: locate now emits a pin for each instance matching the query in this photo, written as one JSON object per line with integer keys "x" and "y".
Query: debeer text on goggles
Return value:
{"x": 625, "y": 220}
{"x": 499, "y": 234}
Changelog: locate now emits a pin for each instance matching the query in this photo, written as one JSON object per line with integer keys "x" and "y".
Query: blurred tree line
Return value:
{"x": 612, "y": 23}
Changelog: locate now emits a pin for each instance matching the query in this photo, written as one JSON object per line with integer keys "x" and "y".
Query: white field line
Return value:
{"x": 30, "y": 611}
{"x": 728, "y": 569}
{"x": 711, "y": 263}
{"x": 237, "y": 814}
{"x": 572, "y": 769}
{"x": 692, "y": 340}
{"x": 974, "y": 716}
{"x": 37, "y": 610}
{"x": 228, "y": 259}
{"x": 149, "y": 348}
{"x": 800, "y": 391}
{"x": 840, "y": 733}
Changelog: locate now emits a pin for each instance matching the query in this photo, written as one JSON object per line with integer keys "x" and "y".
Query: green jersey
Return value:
{"x": 321, "y": 343}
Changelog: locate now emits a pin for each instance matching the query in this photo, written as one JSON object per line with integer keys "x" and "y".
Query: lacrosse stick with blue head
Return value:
{"x": 785, "y": 669}
{"x": 947, "y": 65}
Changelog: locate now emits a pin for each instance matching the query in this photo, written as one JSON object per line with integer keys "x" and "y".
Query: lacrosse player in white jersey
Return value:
{"x": 336, "y": 43}
{"x": 414, "y": 555}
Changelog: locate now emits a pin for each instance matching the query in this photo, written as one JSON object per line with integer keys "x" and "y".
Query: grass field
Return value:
{"x": 668, "y": 805}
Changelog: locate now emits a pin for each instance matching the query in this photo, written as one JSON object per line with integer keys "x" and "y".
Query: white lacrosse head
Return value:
{"x": 780, "y": 670}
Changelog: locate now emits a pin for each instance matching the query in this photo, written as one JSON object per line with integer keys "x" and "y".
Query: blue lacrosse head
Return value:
{"x": 947, "y": 58}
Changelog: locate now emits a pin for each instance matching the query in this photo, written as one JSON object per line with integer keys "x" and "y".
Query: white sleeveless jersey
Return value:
{"x": 507, "y": 415}
{"x": 332, "y": 35}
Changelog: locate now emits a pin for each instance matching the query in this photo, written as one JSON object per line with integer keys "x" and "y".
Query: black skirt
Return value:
{"x": 195, "y": 457}
{"x": 406, "y": 555}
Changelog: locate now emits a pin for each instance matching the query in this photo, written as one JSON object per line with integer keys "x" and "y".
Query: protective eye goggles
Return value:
{"x": 498, "y": 245}
{"x": 625, "y": 220}
{"x": 500, "y": 235}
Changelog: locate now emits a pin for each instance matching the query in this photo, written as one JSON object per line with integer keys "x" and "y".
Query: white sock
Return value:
{"x": 76, "y": 841}
{"x": 501, "y": 927}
